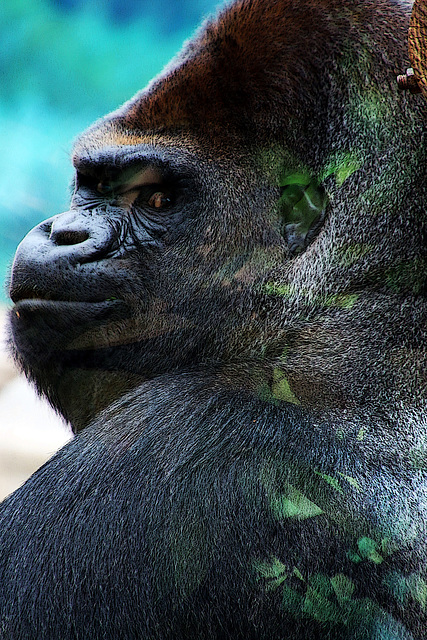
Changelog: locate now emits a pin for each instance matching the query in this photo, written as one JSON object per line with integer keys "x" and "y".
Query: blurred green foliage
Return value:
{"x": 64, "y": 63}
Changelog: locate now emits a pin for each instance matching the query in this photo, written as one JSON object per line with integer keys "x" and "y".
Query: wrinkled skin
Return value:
{"x": 232, "y": 317}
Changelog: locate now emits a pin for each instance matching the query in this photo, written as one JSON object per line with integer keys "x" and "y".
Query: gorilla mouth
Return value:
{"x": 42, "y": 328}
{"x": 67, "y": 309}
{"x": 20, "y": 294}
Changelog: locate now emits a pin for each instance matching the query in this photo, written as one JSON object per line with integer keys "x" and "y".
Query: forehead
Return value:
{"x": 109, "y": 136}
{"x": 112, "y": 160}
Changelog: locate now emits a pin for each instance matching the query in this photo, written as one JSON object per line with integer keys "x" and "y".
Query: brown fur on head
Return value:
{"x": 265, "y": 72}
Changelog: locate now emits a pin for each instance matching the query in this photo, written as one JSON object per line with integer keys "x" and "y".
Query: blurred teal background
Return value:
{"x": 64, "y": 63}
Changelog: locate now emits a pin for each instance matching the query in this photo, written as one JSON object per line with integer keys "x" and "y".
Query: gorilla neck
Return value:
{"x": 81, "y": 394}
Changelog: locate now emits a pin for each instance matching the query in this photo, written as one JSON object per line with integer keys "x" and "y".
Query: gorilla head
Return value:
{"x": 247, "y": 213}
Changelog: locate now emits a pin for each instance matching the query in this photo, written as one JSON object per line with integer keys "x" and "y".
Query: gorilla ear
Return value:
{"x": 301, "y": 210}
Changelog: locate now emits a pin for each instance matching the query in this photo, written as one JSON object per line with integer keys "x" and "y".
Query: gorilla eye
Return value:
{"x": 159, "y": 200}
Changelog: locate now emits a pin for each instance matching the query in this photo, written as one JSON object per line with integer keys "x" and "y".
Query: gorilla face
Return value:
{"x": 139, "y": 277}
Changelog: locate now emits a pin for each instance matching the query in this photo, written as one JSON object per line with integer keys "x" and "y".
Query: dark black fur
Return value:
{"x": 232, "y": 317}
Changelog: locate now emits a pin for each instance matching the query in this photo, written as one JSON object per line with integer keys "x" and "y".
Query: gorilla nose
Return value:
{"x": 57, "y": 247}
{"x": 72, "y": 237}
{"x": 76, "y": 236}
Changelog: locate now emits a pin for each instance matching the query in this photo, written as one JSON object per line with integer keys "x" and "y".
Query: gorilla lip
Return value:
{"x": 75, "y": 309}
{"x": 50, "y": 326}
{"x": 38, "y": 300}
{"x": 21, "y": 295}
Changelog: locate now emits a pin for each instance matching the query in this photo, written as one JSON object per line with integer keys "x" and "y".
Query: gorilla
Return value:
{"x": 232, "y": 316}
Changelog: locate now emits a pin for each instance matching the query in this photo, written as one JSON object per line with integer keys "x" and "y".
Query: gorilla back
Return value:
{"x": 232, "y": 317}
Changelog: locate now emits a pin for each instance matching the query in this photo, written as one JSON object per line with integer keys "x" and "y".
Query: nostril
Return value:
{"x": 62, "y": 237}
{"x": 74, "y": 236}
